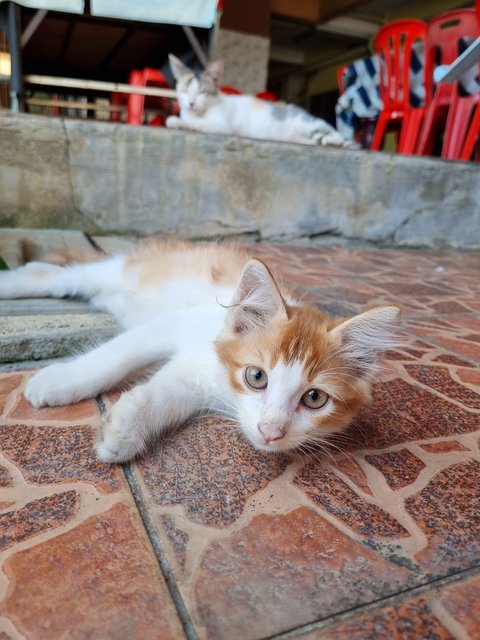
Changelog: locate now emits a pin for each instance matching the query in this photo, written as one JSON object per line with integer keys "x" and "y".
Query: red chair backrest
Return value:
{"x": 341, "y": 77}
{"x": 267, "y": 95}
{"x": 231, "y": 91}
{"x": 444, "y": 33}
{"x": 393, "y": 44}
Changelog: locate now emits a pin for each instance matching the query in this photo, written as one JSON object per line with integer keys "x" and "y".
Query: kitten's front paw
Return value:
{"x": 122, "y": 437}
{"x": 51, "y": 387}
{"x": 173, "y": 122}
{"x": 108, "y": 449}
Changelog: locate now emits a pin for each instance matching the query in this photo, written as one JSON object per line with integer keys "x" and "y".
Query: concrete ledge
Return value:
{"x": 39, "y": 329}
{"x": 108, "y": 178}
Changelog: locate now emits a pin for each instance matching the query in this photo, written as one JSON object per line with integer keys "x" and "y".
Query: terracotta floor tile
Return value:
{"x": 38, "y": 515}
{"x": 366, "y": 519}
{"x": 5, "y": 478}
{"x": 462, "y": 601}
{"x": 402, "y": 412}
{"x": 444, "y": 612}
{"x": 447, "y": 510}
{"x": 259, "y": 545}
{"x": 444, "y": 447}
{"x": 47, "y": 455}
{"x": 23, "y": 410}
{"x": 408, "y": 619}
{"x": 99, "y": 580}
{"x": 9, "y": 385}
{"x": 75, "y": 559}
{"x": 400, "y": 468}
{"x": 440, "y": 380}
{"x": 209, "y": 469}
{"x": 282, "y": 571}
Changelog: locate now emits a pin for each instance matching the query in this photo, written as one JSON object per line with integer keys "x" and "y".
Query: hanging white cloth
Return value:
{"x": 194, "y": 13}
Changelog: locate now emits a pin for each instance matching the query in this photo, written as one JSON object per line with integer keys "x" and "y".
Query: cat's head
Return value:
{"x": 196, "y": 93}
{"x": 297, "y": 375}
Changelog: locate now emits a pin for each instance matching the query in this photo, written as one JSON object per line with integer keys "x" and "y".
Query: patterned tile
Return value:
{"x": 282, "y": 571}
{"x": 75, "y": 559}
{"x": 214, "y": 483}
{"x": 410, "y": 619}
{"x": 98, "y": 580}
{"x": 257, "y": 545}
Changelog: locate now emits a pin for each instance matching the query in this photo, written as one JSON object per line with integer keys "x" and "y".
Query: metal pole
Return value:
{"x": 13, "y": 35}
{"x": 32, "y": 26}
{"x": 192, "y": 38}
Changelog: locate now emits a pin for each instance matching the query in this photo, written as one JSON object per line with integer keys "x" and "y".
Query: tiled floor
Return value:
{"x": 206, "y": 537}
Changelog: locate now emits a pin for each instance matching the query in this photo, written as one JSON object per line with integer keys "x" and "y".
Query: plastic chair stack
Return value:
{"x": 448, "y": 112}
{"x": 394, "y": 43}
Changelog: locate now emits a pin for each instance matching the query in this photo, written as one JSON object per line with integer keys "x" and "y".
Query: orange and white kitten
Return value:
{"x": 224, "y": 336}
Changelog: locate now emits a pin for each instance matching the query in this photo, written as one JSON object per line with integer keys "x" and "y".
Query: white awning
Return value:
{"x": 194, "y": 13}
{"x": 69, "y": 6}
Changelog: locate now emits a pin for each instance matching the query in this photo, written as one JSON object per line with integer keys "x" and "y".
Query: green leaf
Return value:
{"x": 3, "y": 264}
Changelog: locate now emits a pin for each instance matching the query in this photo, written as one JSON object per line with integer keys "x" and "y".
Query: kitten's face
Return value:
{"x": 297, "y": 376}
{"x": 196, "y": 93}
{"x": 291, "y": 385}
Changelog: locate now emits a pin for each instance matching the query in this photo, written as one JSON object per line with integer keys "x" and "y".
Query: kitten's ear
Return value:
{"x": 363, "y": 338}
{"x": 178, "y": 68}
{"x": 215, "y": 70}
{"x": 257, "y": 300}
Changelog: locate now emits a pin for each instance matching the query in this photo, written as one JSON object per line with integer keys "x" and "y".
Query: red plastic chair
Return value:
{"x": 472, "y": 137}
{"x": 393, "y": 44}
{"x": 136, "y": 102}
{"x": 448, "y": 113}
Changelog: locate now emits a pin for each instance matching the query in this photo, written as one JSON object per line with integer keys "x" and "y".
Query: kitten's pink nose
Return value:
{"x": 271, "y": 432}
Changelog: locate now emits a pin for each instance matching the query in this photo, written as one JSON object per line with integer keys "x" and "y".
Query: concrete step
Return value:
{"x": 42, "y": 328}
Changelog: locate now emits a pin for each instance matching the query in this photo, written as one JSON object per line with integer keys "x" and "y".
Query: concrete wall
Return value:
{"x": 101, "y": 177}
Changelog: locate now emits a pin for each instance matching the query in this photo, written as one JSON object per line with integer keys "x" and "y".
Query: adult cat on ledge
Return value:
{"x": 223, "y": 333}
{"x": 203, "y": 107}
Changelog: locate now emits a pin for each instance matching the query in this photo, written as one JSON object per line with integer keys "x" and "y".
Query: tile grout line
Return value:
{"x": 325, "y": 623}
{"x": 160, "y": 555}
{"x": 158, "y": 551}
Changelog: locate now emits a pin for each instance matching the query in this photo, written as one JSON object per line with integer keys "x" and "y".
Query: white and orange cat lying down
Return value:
{"x": 222, "y": 334}
{"x": 204, "y": 107}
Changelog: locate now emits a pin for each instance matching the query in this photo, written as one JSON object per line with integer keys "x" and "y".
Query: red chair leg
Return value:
{"x": 116, "y": 100}
{"x": 472, "y": 135}
{"x": 410, "y": 132}
{"x": 456, "y": 128}
{"x": 380, "y": 131}
{"x": 135, "y": 102}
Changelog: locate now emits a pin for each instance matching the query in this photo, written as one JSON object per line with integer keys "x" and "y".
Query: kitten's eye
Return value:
{"x": 256, "y": 378}
{"x": 315, "y": 399}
